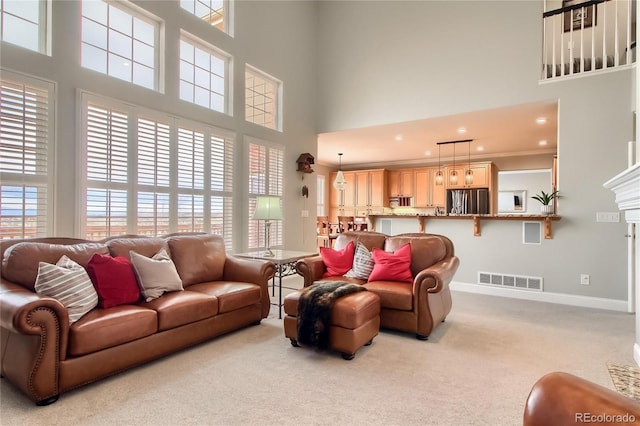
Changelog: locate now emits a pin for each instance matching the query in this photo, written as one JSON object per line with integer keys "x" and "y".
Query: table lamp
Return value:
{"x": 267, "y": 209}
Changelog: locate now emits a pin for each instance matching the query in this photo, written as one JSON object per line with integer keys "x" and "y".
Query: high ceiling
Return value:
{"x": 511, "y": 131}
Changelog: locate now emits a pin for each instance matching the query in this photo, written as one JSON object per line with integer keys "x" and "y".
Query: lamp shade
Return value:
{"x": 267, "y": 208}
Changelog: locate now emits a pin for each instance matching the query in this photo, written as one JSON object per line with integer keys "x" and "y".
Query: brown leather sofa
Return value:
{"x": 44, "y": 356}
{"x": 416, "y": 307}
{"x": 564, "y": 399}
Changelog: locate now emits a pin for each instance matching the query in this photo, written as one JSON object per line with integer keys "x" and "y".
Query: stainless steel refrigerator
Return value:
{"x": 468, "y": 201}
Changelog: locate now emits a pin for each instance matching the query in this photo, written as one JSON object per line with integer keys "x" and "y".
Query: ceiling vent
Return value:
{"x": 511, "y": 281}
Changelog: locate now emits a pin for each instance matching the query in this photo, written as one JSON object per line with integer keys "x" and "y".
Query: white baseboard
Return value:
{"x": 541, "y": 296}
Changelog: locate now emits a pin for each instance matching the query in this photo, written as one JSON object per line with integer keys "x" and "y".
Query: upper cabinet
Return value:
{"x": 481, "y": 176}
{"x": 427, "y": 193}
{"x": 401, "y": 183}
{"x": 371, "y": 194}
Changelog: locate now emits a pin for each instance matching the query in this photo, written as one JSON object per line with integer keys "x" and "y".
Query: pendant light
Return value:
{"x": 340, "y": 183}
{"x": 453, "y": 175}
{"x": 439, "y": 175}
{"x": 468, "y": 176}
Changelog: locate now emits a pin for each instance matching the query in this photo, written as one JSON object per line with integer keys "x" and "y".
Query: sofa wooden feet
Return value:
{"x": 294, "y": 343}
{"x": 421, "y": 337}
{"x": 348, "y": 356}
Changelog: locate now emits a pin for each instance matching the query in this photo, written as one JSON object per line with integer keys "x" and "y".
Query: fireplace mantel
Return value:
{"x": 626, "y": 187}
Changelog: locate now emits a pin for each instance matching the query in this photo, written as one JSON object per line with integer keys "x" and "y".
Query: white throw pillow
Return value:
{"x": 155, "y": 275}
{"x": 362, "y": 263}
{"x": 69, "y": 283}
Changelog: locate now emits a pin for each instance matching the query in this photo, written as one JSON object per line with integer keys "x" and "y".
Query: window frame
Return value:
{"x": 228, "y": 12}
{"x": 277, "y": 98}
{"x": 135, "y": 12}
{"x": 46, "y": 224}
{"x": 212, "y": 50}
{"x": 44, "y": 27}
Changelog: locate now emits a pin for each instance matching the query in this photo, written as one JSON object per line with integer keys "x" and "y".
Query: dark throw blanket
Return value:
{"x": 314, "y": 310}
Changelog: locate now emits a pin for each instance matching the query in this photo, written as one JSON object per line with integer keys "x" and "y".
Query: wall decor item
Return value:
{"x": 573, "y": 19}
{"x": 304, "y": 163}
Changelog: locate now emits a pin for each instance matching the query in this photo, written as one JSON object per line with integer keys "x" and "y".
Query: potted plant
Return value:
{"x": 546, "y": 199}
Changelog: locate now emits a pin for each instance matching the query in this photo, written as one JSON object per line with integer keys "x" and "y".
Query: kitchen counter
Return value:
{"x": 476, "y": 218}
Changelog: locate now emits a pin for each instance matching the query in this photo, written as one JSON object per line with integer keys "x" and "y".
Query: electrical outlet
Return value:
{"x": 613, "y": 217}
{"x": 585, "y": 279}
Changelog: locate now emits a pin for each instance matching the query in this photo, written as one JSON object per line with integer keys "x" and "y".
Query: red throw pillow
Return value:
{"x": 338, "y": 262}
{"x": 394, "y": 266}
{"x": 114, "y": 280}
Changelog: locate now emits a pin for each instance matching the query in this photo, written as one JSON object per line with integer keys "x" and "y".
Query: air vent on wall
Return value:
{"x": 510, "y": 281}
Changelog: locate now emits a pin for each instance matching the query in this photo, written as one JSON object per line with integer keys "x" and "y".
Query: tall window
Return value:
{"x": 213, "y": 12}
{"x": 26, "y": 145}
{"x": 152, "y": 174}
{"x": 120, "y": 41}
{"x": 203, "y": 74}
{"x": 263, "y": 95}
{"x": 321, "y": 195}
{"x": 266, "y": 177}
{"x": 24, "y": 23}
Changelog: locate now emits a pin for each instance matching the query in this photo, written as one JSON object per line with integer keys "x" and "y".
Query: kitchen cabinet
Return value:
{"x": 427, "y": 193}
{"x": 401, "y": 183}
{"x": 481, "y": 176}
{"x": 371, "y": 192}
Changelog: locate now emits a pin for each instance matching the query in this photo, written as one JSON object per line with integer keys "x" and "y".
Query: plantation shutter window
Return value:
{"x": 107, "y": 167}
{"x": 25, "y": 148}
{"x": 266, "y": 177}
{"x": 152, "y": 174}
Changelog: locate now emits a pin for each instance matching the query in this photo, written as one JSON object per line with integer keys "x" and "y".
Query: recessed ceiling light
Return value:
{"x": 541, "y": 120}
{"x": 427, "y": 153}
{"x": 542, "y": 143}
{"x": 398, "y": 138}
{"x": 480, "y": 148}
{"x": 462, "y": 130}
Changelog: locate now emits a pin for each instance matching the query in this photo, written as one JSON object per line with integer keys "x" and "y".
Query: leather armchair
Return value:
{"x": 416, "y": 307}
{"x": 564, "y": 399}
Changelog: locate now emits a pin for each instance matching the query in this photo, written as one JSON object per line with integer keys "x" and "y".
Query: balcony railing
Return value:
{"x": 589, "y": 36}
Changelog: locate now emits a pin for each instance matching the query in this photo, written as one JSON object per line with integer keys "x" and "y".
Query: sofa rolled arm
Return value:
{"x": 311, "y": 269}
{"x": 34, "y": 340}
{"x": 562, "y": 399}
{"x": 251, "y": 271}
{"x": 437, "y": 276}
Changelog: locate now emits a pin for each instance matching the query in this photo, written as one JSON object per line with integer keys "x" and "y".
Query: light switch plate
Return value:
{"x": 613, "y": 217}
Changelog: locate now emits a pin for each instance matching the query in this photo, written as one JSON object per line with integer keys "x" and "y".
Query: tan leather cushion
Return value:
{"x": 370, "y": 240}
{"x": 21, "y": 261}
{"x": 425, "y": 250}
{"x": 230, "y": 295}
{"x": 393, "y": 294}
{"x": 182, "y": 307}
{"x": 144, "y": 246}
{"x": 198, "y": 258}
{"x": 104, "y": 328}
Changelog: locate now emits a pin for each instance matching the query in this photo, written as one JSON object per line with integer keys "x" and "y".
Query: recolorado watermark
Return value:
{"x": 605, "y": 418}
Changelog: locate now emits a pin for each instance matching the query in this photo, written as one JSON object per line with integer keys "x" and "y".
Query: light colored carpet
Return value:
{"x": 476, "y": 369}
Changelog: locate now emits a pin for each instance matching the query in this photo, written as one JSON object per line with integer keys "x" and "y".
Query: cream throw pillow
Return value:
{"x": 69, "y": 283}
{"x": 155, "y": 275}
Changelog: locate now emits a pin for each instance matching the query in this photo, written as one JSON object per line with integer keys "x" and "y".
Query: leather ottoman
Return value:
{"x": 354, "y": 322}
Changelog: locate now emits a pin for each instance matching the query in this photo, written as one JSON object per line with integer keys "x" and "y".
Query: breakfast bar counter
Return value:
{"x": 477, "y": 219}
